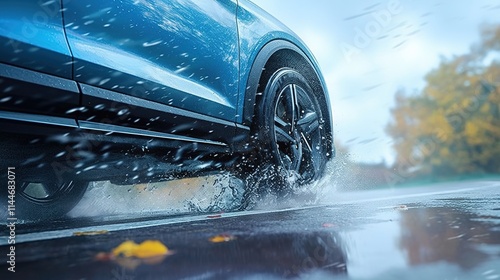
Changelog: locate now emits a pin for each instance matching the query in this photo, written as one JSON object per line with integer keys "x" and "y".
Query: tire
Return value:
{"x": 48, "y": 200}
{"x": 289, "y": 131}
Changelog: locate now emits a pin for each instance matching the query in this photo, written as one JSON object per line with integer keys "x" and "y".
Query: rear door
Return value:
{"x": 156, "y": 55}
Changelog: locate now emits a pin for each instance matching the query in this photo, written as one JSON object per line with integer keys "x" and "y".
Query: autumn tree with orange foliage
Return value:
{"x": 452, "y": 127}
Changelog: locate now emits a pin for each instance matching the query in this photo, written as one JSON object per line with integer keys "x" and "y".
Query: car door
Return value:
{"x": 138, "y": 56}
{"x": 35, "y": 60}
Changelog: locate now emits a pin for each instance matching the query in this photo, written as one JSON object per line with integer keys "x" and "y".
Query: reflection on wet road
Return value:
{"x": 442, "y": 231}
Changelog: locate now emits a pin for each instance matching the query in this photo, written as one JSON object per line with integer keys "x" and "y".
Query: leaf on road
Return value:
{"x": 90, "y": 233}
{"x": 222, "y": 238}
{"x": 214, "y": 216}
{"x": 147, "y": 249}
{"x": 401, "y": 208}
{"x": 125, "y": 249}
{"x": 328, "y": 225}
{"x": 130, "y": 255}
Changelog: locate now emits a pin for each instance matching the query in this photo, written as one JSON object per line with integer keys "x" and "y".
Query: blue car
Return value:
{"x": 139, "y": 91}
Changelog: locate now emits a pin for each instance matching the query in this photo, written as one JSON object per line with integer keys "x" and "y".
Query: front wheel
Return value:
{"x": 289, "y": 128}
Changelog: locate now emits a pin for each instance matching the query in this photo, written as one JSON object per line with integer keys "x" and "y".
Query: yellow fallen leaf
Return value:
{"x": 147, "y": 249}
{"x": 126, "y": 249}
{"x": 87, "y": 233}
{"x": 130, "y": 255}
{"x": 222, "y": 238}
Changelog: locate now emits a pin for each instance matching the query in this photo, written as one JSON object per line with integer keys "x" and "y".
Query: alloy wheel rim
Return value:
{"x": 297, "y": 132}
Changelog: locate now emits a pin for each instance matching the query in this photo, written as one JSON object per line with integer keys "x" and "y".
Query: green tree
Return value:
{"x": 453, "y": 126}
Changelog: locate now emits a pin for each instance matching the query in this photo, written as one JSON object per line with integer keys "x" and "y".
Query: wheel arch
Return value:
{"x": 273, "y": 56}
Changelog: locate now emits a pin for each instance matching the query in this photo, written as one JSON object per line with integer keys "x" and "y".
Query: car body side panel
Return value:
{"x": 32, "y": 36}
{"x": 111, "y": 107}
{"x": 35, "y": 60}
{"x": 179, "y": 53}
{"x": 28, "y": 91}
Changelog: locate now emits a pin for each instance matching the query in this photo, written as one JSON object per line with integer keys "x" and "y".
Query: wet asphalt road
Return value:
{"x": 441, "y": 231}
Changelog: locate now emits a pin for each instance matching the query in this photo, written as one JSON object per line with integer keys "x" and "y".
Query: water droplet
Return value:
{"x": 81, "y": 109}
{"x": 89, "y": 168}
{"x": 150, "y": 44}
{"x": 122, "y": 112}
{"x": 99, "y": 106}
{"x": 102, "y": 82}
{"x": 60, "y": 154}
{"x": 5, "y": 99}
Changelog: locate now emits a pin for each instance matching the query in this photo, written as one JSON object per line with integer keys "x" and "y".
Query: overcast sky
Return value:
{"x": 368, "y": 49}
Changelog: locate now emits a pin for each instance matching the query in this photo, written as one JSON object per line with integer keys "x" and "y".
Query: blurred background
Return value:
{"x": 414, "y": 85}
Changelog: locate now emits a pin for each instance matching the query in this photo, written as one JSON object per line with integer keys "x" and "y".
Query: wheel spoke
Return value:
{"x": 50, "y": 188}
{"x": 283, "y": 136}
{"x": 294, "y": 105}
{"x": 290, "y": 104}
{"x": 280, "y": 122}
{"x": 309, "y": 123}
{"x": 297, "y": 156}
{"x": 306, "y": 141}
{"x": 287, "y": 161}
{"x": 24, "y": 186}
{"x": 311, "y": 156}
{"x": 282, "y": 125}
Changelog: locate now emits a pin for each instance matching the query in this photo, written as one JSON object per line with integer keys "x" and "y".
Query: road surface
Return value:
{"x": 440, "y": 231}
